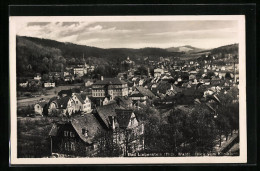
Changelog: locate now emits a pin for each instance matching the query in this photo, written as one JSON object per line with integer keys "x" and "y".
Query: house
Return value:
{"x": 130, "y": 86}
{"x": 55, "y": 75}
{"x": 75, "y": 137}
{"x": 49, "y": 84}
{"x": 158, "y": 72}
{"x": 68, "y": 78}
{"x": 192, "y": 77}
{"x": 82, "y": 102}
{"x": 112, "y": 87}
{"x": 122, "y": 75}
{"x": 216, "y": 81}
{"x": 78, "y": 71}
{"x": 138, "y": 98}
{"x": 107, "y": 101}
{"x": 103, "y": 113}
{"x": 127, "y": 129}
{"x": 40, "y": 107}
{"x": 130, "y": 132}
{"x": 65, "y": 73}
{"x": 193, "y": 72}
{"x": 88, "y": 82}
{"x": 23, "y": 84}
{"x": 64, "y": 105}
{"x": 37, "y": 77}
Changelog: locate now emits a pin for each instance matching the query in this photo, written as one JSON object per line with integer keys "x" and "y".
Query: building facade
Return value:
{"x": 110, "y": 87}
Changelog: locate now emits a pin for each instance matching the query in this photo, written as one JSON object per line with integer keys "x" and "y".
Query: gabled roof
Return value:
{"x": 123, "y": 117}
{"x": 89, "y": 123}
{"x": 79, "y": 97}
{"x": 107, "y": 110}
{"x": 110, "y": 81}
{"x": 61, "y": 103}
{"x": 145, "y": 92}
{"x": 83, "y": 95}
{"x": 136, "y": 95}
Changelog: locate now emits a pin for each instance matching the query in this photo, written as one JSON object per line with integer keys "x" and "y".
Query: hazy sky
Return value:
{"x": 138, "y": 34}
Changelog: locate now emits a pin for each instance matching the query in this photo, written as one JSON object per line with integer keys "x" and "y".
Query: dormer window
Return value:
{"x": 85, "y": 132}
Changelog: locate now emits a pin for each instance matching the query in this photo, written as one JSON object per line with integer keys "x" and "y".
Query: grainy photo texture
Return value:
{"x": 128, "y": 87}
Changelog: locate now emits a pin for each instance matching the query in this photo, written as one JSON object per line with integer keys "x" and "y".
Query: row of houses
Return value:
{"x": 108, "y": 128}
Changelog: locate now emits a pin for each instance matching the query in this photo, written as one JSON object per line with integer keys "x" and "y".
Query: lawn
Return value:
{"x": 32, "y": 136}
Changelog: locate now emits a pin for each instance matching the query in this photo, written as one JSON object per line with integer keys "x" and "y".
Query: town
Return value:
{"x": 165, "y": 107}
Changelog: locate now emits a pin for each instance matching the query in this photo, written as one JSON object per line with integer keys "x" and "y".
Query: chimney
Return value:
{"x": 101, "y": 78}
{"x": 112, "y": 121}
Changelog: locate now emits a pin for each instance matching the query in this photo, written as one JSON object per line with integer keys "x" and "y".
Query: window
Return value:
{"x": 66, "y": 133}
{"x": 72, "y": 134}
{"x": 72, "y": 146}
{"x": 67, "y": 147}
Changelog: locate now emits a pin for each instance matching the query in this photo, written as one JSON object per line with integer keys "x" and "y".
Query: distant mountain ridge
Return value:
{"x": 186, "y": 49}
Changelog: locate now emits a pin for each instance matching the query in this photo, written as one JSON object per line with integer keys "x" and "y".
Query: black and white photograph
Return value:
{"x": 128, "y": 89}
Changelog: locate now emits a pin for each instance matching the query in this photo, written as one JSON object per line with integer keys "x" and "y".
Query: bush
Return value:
{"x": 28, "y": 94}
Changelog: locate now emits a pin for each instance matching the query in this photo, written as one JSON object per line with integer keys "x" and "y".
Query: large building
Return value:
{"x": 112, "y": 87}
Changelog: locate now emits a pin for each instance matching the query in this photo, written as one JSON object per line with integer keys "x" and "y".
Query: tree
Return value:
{"x": 142, "y": 70}
{"x": 199, "y": 133}
{"x": 73, "y": 60}
{"x": 45, "y": 77}
{"x": 45, "y": 60}
{"x": 107, "y": 145}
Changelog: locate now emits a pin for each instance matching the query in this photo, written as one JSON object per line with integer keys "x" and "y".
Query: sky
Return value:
{"x": 136, "y": 34}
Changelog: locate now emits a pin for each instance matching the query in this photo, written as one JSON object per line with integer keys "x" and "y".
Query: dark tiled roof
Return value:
{"x": 123, "y": 117}
{"x": 130, "y": 84}
{"x": 80, "y": 98}
{"x": 89, "y": 123}
{"x": 62, "y": 102}
{"x": 110, "y": 81}
{"x": 124, "y": 100}
{"x": 145, "y": 92}
{"x": 107, "y": 110}
{"x": 83, "y": 95}
{"x": 136, "y": 95}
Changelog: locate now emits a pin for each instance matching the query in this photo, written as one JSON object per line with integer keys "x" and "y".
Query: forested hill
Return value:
{"x": 40, "y": 52}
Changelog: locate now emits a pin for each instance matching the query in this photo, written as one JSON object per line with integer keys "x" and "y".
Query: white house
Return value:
{"x": 64, "y": 105}
{"x": 49, "y": 84}
{"x": 37, "y": 77}
{"x": 82, "y": 102}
